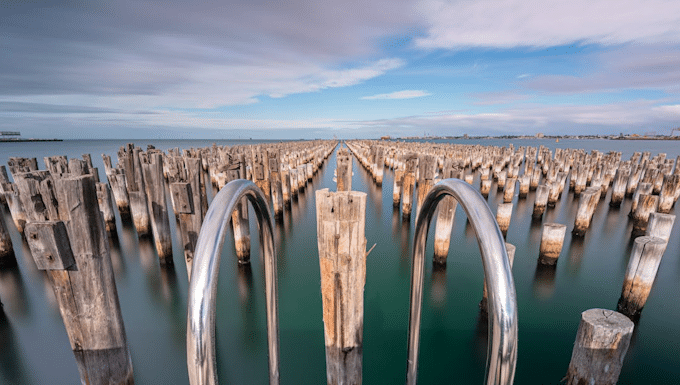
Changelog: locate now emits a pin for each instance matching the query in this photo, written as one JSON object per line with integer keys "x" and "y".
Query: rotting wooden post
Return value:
{"x": 640, "y": 274}
{"x": 106, "y": 206}
{"x": 446, "y": 211}
{"x": 540, "y": 201}
{"x": 503, "y": 215}
{"x": 398, "y": 184}
{"x": 427, "y": 170}
{"x": 118, "y": 184}
{"x": 343, "y": 171}
{"x": 73, "y": 248}
{"x": 7, "y": 257}
{"x": 135, "y": 187}
{"x": 502, "y": 178}
{"x": 586, "y": 208}
{"x": 535, "y": 178}
{"x": 619, "y": 186}
{"x": 241, "y": 227}
{"x": 408, "y": 186}
{"x": 379, "y": 164}
{"x": 11, "y": 194}
{"x": 669, "y": 193}
{"x": 601, "y": 344}
{"x": 158, "y": 209}
{"x": 524, "y": 181}
{"x": 646, "y": 205}
{"x": 341, "y": 220}
{"x": 660, "y": 225}
{"x": 552, "y": 239}
{"x": 483, "y": 304}
{"x": 275, "y": 184}
{"x": 642, "y": 189}
{"x": 286, "y": 186}
{"x": 509, "y": 190}
{"x": 485, "y": 188}
{"x": 553, "y": 193}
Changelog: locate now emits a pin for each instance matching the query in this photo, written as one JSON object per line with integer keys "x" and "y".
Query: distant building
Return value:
{"x": 385, "y": 137}
{"x": 539, "y": 135}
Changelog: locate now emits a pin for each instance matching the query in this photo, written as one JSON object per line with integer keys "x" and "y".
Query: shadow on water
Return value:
{"x": 544, "y": 281}
{"x": 575, "y": 253}
{"x": 11, "y": 366}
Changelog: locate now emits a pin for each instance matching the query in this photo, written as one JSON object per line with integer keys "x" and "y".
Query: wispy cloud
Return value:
{"x": 541, "y": 23}
{"x": 405, "y": 94}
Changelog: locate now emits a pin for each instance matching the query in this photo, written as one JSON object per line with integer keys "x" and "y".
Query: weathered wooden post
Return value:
{"x": 669, "y": 193}
{"x": 118, "y": 185}
{"x": 442, "y": 235}
{"x": 11, "y": 195}
{"x": 408, "y": 185}
{"x": 106, "y": 206}
{"x": 601, "y": 344}
{"x": 642, "y": 189}
{"x": 275, "y": 186}
{"x": 552, "y": 239}
{"x": 72, "y": 246}
{"x": 398, "y": 183}
{"x": 640, "y": 274}
{"x": 152, "y": 170}
{"x": 500, "y": 182}
{"x": 540, "y": 201}
{"x": 343, "y": 171}
{"x": 660, "y": 226}
{"x": 485, "y": 187}
{"x": 129, "y": 157}
{"x": 524, "y": 181}
{"x": 286, "y": 185}
{"x": 619, "y": 186}
{"x": 379, "y": 165}
{"x": 503, "y": 215}
{"x": 646, "y": 205}
{"x": 426, "y": 167}
{"x": 342, "y": 259}
{"x": 586, "y": 208}
{"x": 509, "y": 190}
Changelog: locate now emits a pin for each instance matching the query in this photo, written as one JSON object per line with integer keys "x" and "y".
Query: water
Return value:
{"x": 589, "y": 273}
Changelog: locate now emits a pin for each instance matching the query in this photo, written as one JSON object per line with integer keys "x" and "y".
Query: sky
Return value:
{"x": 346, "y": 69}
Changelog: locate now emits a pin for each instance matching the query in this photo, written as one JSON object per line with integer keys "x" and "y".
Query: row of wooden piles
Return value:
{"x": 67, "y": 215}
{"x": 651, "y": 183}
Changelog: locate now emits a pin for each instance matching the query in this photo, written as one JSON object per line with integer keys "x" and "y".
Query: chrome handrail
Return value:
{"x": 502, "y": 305}
{"x": 203, "y": 284}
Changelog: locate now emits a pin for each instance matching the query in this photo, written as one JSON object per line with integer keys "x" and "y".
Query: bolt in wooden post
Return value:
{"x": 586, "y": 208}
{"x": 341, "y": 220}
{"x": 601, "y": 344}
{"x": 446, "y": 211}
{"x": 640, "y": 274}
{"x": 646, "y": 205}
{"x": 155, "y": 192}
{"x": 503, "y": 215}
{"x": 343, "y": 170}
{"x": 552, "y": 239}
{"x": 540, "y": 201}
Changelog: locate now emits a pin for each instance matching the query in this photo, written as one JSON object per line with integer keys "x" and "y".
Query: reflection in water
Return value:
{"x": 11, "y": 367}
{"x": 251, "y": 334}
{"x": 481, "y": 339}
{"x": 169, "y": 286}
{"x": 117, "y": 260}
{"x": 245, "y": 282}
{"x": 13, "y": 292}
{"x": 438, "y": 293}
{"x": 401, "y": 233}
{"x": 544, "y": 281}
{"x": 575, "y": 252}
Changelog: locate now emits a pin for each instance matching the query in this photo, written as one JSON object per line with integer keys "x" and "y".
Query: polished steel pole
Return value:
{"x": 502, "y": 349}
{"x": 201, "y": 361}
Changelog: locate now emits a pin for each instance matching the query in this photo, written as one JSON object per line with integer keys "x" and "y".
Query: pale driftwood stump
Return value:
{"x": 503, "y": 215}
{"x": 640, "y": 274}
{"x": 341, "y": 220}
{"x": 601, "y": 344}
{"x": 552, "y": 239}
{"x": 541, "y": 201}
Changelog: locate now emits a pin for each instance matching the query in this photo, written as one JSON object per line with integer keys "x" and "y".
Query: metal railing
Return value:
{"x": 502, "y": 304}
{"x": 203, "y": 284}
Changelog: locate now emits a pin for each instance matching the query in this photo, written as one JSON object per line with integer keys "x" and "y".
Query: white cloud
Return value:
{"x": 405, "y": 94}
{"x": 543, "y": 23}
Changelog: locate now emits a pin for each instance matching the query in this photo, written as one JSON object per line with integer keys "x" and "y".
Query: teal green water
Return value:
{"x": 35, "y": 348}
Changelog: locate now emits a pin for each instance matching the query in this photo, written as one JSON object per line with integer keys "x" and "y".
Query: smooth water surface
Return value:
{"x": 589, "y": 273}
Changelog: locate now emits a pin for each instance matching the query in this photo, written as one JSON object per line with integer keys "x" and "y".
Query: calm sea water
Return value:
{"x": 589, "y": 274}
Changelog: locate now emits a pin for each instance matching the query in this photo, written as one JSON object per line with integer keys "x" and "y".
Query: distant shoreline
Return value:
{"x": 30, "y": 140}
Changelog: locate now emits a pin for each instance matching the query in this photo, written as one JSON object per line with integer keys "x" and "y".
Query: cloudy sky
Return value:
{"x": 315, "y": 69}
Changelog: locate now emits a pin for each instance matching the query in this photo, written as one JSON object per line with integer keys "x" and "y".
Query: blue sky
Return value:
{"x": 311, "y": 69}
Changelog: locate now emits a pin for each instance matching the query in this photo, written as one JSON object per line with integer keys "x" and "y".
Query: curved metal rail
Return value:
{"x": 502, "y": 305}
{"x": 203, "y": 284}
